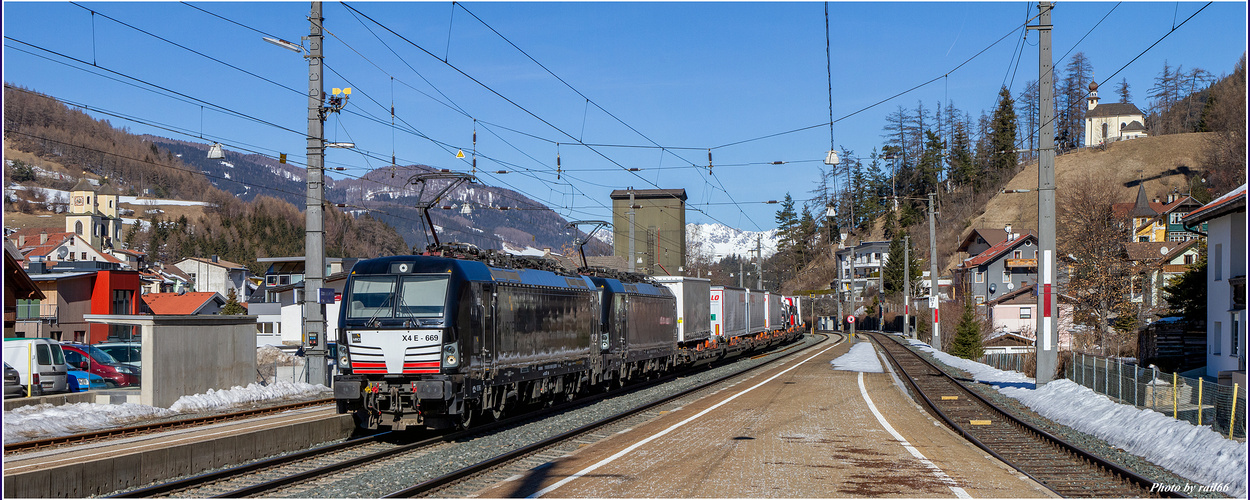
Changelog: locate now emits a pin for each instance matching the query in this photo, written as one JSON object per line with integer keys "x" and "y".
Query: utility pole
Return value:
{"x": 314, "y": 242}
{"x": 850, "y": 231}
{"x": 740, "y": 268}
{"x": 631, "y": 229}
{"x": 906, "y": 285}
{"x": 1046, "y": 344}
{"x": 934, "y": 302}
{"x": 759, "y": 263}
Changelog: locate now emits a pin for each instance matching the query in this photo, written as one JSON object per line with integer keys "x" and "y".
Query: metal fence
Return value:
{"x": 1221, "y": 407}
{"x": 1013, "y": 361}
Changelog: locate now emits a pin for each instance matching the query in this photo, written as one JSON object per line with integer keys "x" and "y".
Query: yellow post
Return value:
{"x": 1174, "y": 389}
{"x": 30, "y": 371}
{"x": 1232, "y": 415}
{"x": 1200, "y": 402}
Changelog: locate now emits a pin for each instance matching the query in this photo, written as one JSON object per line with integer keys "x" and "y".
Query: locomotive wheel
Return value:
{"x": 466, "y": 418}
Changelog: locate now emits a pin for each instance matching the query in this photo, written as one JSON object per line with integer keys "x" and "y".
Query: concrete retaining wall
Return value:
{"x": 109, "y": 474}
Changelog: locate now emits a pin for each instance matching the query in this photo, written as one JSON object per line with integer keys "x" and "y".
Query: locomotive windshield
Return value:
{"x": 417, "y": 297}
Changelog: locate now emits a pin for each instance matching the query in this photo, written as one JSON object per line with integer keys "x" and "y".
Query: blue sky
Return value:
{"x": 686, "y": 76}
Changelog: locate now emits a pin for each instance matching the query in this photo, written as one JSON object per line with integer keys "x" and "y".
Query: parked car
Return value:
{"x": 39, "y": 359}
{"x": 127, "y": 353}
{"x": 12, "y": 383}
{"x": 92, "y": 359}
{"x": 81, "y": 381}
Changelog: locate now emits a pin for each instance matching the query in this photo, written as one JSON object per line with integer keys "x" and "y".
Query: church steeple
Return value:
{"x": 1092, "y": 100}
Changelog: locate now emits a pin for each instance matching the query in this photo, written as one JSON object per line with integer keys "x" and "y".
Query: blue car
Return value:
{"x": 77, "y": 384}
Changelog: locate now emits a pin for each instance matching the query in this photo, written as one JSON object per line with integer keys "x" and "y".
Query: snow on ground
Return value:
{"x": 861, "y": 358}
{"x": 1195, "y": 453}
{"x": 44, "y": 421}
{"x": 980, "y": 372}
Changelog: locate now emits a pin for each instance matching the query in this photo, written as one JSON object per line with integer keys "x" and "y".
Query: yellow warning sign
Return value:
{"x": 460, "y": 154}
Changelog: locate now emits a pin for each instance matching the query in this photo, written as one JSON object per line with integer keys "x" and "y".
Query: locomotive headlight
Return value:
{"x": 451, "y": 355}
{"x": 343, "y": 362}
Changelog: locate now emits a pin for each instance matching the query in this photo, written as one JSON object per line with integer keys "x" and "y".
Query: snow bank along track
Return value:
{"x": 291, "y": 474}
{"x": 1063, "y": 468}
{"x": 136, "y": 430}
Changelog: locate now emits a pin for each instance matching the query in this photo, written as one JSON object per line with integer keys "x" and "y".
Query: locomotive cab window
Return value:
{"x": 417, "y": 297}
{"x": 371, "y": 297}
{"x": 422, "y": 297}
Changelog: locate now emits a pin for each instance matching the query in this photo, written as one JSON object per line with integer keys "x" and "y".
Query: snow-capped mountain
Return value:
{"x": 717, "y": 241}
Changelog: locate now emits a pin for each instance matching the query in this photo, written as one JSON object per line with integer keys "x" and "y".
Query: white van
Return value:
{"x": 41, "y": 356}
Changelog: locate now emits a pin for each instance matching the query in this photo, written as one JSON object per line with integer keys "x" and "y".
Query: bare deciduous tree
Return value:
{"x": 1090, "y": 239}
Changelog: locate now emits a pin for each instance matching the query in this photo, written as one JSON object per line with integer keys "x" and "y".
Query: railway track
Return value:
{"x": 1062, "y": 467}
{"x": 289, "y": 475}
{"x": 121, "y": 432}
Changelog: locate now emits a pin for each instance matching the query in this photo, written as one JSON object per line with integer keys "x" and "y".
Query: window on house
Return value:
{"x": 84, "y": 256}
{"x": 1217, "y": 262}
{"x": 1017, "y": 254}
{"x": 1233, "y": 344}
{"x": 1189, "y": 259}
{"x": 979, "y": 276}
{"x": 980, "y": 299}
{"x": 272, "y": 279}
{"x": 1026, "y": 312}
{"x": 284, "y": 279}
{"x": 1006, "y": 276}
{"x": 1218, "y": 340}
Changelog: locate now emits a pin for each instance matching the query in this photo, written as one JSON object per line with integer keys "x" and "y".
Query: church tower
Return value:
{"x": 93, "y": 214}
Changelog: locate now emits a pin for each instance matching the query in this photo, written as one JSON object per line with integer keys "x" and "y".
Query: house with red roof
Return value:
{"x": 182, "y": 304}
{"x": 1008, "y": 265}
{"x": 52, "y": 246}
{"x": 1226, "y": 284}
{"x": 1155, "y": 221}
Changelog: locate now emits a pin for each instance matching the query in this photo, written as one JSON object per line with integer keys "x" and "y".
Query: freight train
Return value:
{"x": 439, "y": 339}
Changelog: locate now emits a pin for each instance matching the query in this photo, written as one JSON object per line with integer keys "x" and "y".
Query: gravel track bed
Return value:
{"x": 1082, "y": 440}
{"x": 376, "y": 480}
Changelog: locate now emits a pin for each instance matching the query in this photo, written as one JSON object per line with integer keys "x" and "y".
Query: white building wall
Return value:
{"x": 1226, "y": 258}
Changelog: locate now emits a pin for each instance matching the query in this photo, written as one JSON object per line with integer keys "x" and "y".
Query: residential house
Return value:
{"x": 1110, "y": 122}
{"x": 217, "y": 275}
{"x": 185, "y": 303}
{"x": 52, "y": 246}
{"x": 72, "y": 289}
{"x": 1154, "y": 221}
{"x": 981, "y": 239}
{"x": 1157, "y": 262}
{"x": 869, "y": 259}
{"x": 1226, "y": 284}
{"x": 1016, "y": 313}
{"x": 1007, "y": 266}
{"x": 280, "y": 318}
{"x": 278, "y": 301}
{"x": 18, "y": 289}
{"x": 132, "y": 259}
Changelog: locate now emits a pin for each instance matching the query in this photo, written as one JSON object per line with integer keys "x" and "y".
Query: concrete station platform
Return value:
{"x": 802, "y": 430}
{"x": 106, "y": 467}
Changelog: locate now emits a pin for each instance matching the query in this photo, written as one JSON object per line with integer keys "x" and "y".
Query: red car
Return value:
{"x": 100, "y": 363}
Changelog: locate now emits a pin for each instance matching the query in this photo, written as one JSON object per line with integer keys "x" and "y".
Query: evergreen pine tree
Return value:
{"x": 967, "y": 341}
{"x": 232, "y": 307}
{"x": 1002, "y": 153}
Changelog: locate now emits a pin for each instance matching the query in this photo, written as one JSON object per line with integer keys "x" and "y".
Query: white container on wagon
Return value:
{"x": 775, "y": 317}
{"x": 757, "y": 311}
{"x": 694, "y": 322}
{"x": 728, "y": 311}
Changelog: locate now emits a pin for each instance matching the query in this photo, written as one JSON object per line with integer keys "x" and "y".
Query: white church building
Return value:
{"x": 1114, "y": 121}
